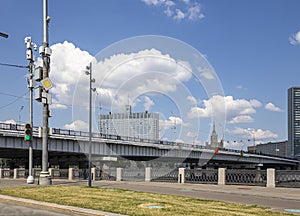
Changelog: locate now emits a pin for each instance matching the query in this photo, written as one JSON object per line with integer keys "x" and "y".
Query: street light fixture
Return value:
{"x": 3, "y": 35}
{"x": 91, "y": 80}
{"x": 19, "y": 119}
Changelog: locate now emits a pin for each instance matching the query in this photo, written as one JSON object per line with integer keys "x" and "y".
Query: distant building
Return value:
{"x": 214, "y": 142}
{"x": 139, "y": 125}
{"x": 294, "y": 121}
{"x": 271, "y": 148}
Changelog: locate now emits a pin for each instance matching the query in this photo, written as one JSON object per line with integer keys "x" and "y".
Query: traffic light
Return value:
{"x": 27, "y": 132}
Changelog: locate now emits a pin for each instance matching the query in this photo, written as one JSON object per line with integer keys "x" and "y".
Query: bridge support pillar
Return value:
{"x": 148, "y": 174}
{"x": 181, "y": 175}
{"x": 15, "y": 173}
{"x": 119, "y": 174}
{"x": 93, "y": 173}
{"x": 271, "y": 178}
{"x": 221, "y": 176}
{"x": 70, "y": 174}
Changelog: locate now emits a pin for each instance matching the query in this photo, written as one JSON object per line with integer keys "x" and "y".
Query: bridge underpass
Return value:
{"x": 69, "y": 148}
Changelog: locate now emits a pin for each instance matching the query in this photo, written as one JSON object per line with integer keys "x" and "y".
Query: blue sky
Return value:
{"x": 252, "y": 45}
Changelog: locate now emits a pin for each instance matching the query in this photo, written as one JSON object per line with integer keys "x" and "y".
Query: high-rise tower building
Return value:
{"x": 294, "y": 121}
{"x": 139, "y": 125}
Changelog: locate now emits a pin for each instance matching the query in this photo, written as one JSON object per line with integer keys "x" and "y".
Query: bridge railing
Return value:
{"x": 246, "y": 177}
{"x": 135, "y": 174}
{"x": 221, "y": 176}
{"x": 164, "y": 175}
{"x": 72, "y": 133}
{"x": 287, "y": 178}
{"x": 201, "y": 176}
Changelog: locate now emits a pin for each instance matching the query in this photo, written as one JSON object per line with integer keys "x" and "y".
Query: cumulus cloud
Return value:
{"x": 192, "y": 100}
{"x": 10, "y": 121}
{"x": 272, "y": 107}
{"x": 77, "y": 125}
{"x": 116, "y": 77}
{"x": 179, "y": 15}
{"x": 148, "y": 103}
{"x": 66, "y": 66}
{"x": 171, "y": 122}
{"x": 251, "y": 133}
{"x": 241, "y": 119}
{"x": 295, "y": 38}
{"x": 136, "y": 73}
{"x": 185, "y": 9}
{"x": 236, "y": 110}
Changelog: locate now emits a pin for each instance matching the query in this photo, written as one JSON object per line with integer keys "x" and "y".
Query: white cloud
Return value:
{"x": 191, "y": 134}
{"x": 250, "y": 133}
{"x": 10, "y": 121}
{"x": 116, "y": 77}
{"x": 240, "y": 138}
{"x": 136, "y": 73}
{"x": 192, "y": 100}
{"x": 295, "y": 38}
{"x": 240, "y": 87}
{"x": 153, "y": 2}
{"x": 186, "y": 9}
{"x": 207, "y": 74}
{"x": 241, "y": 119}
{"x": 148, "y": 103}
{"x": 194, "y": 12}
{"x": 237, "y": 110}
{"x": 171, "y": 122}
{"x": 179, "y": 15}
{"x": 77, "y": 125}
{"x": 272, "y": 107}
{"x": 66, "y": 66}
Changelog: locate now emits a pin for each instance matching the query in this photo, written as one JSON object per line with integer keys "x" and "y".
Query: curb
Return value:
{"x": 71, "y": 209}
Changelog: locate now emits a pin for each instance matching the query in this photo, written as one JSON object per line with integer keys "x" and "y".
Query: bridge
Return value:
{"x": 67, "y": 147}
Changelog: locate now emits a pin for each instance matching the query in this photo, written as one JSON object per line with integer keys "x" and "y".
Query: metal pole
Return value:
{"x": 45, "y": 178}
{"x": 90, "y": 130}
{"x": 30, "y": 179}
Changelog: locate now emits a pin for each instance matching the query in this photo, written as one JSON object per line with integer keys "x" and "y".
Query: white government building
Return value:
{"x": 143, "y": 125}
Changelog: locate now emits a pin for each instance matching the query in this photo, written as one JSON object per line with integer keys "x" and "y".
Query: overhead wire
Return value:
{"x": 12, "y": 102}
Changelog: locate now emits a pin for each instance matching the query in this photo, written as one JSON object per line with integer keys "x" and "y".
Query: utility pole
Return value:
{"x": 91, "y": 80}
{"x": 29, "y": 57}
{"x": 45, "y": 51}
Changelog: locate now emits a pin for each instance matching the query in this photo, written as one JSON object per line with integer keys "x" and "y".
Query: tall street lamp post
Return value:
{"x": 91, "y": 80}
{"x": 29, "y": 57}
{"x": 45, "y": 51}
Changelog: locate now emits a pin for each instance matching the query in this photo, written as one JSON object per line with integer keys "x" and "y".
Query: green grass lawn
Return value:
{"x": 131, "y": 202}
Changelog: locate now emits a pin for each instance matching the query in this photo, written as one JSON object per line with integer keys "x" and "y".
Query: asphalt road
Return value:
{"x": 8, "y": 208}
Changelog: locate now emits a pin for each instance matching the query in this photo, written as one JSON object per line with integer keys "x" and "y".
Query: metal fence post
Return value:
{"x": 271, "y": 178}
{"x": 221, "y": 176}
{"x": 1, "y": 173}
